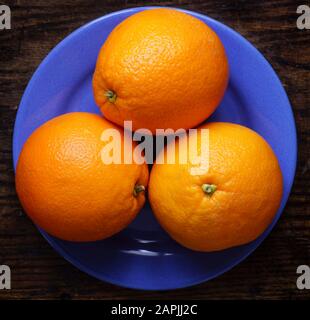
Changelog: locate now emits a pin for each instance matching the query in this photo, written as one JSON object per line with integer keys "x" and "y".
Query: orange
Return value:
{"x": 160, "y": 68}
{"x": 229, "y": 204}
{"x": 65, "y": 187}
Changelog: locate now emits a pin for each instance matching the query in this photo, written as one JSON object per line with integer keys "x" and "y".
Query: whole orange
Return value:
{"x": 160, "y": 68}
{"x": 66, "y": 188}
{"x": 227, "y": 205}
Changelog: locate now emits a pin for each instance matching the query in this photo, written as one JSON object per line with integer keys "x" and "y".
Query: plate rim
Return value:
{"x": 58, "y": 247}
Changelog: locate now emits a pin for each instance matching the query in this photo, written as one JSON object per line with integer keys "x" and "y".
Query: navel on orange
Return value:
{"x": 160, "y": 68}
{"x": 230, "y": 204}
{"x": 66, "y": 188}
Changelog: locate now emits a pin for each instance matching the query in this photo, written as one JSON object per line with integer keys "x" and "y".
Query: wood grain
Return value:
{"x": 37, "y": 271}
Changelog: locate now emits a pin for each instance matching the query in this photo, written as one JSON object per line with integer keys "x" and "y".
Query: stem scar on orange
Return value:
{"x": 231, "y": 204}
{"x": 160, "y": 68}
{"x": 65, "y": 187}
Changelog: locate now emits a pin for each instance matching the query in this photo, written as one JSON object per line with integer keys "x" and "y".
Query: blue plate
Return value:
{"x": 143, "y": 256}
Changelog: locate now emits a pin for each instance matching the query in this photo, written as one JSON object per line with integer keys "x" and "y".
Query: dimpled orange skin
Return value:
{"x": 248, "y": 179}
{"x": 166, "y": 68}
{"x": 67, "y": 190}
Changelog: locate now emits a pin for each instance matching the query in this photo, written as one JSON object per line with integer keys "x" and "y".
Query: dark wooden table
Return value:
{"x": 40, "y": 273}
